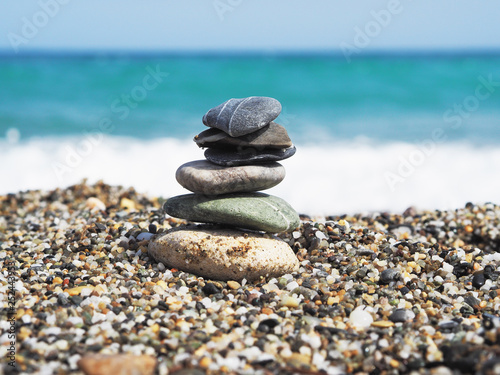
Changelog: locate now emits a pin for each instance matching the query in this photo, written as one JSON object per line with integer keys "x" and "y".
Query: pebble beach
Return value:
{"x": 384, "y": 293}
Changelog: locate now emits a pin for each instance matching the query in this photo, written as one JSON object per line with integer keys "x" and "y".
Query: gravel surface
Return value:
{"x": 375, "y": 294}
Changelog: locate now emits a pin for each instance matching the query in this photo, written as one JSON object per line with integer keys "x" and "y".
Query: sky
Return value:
{"x": 249, "y": 25}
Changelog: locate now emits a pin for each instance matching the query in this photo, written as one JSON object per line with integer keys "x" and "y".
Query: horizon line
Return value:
{"x": 464, "y": 52}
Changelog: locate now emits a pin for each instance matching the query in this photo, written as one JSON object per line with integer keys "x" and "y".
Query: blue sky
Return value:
{"x": 268, "y": 25}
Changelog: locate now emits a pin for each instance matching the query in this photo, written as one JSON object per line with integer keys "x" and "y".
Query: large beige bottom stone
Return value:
{"x": 224, "y": 254}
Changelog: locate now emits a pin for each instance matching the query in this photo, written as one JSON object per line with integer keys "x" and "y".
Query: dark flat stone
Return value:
{"x": 247, "y": 156}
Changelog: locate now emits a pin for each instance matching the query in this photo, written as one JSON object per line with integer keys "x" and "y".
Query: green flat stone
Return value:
{"x": 256, "y": 211}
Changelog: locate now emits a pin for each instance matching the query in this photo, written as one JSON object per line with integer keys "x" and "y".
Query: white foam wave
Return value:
{"x": 341, "y": 177}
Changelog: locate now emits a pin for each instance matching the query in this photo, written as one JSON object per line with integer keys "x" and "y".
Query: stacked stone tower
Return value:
{"x": 243, "y": 148}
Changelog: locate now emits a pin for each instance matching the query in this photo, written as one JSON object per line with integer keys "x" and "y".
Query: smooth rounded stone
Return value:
{"x": 478, "y": 280}
{"x": 401, "y": 315}
{"x": 270, "y": 136}
{"x": 144, "y": 236}
{"x": 224, "y": 254}
{"x": 256, "y": 211}
{"x": 210, "y": 288}
{"x": 238, "y": 117}
{"x": 247, "y": 156}
{"x": 388, "y": 275}
{"x": 204, "y": 177}
{"x": 360, "y": 319}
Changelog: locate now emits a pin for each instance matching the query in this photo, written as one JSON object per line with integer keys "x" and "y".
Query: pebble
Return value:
{"x": 239, "y": 117}
{"x": 289, "y": 301}
{"x": 233, "y": 284}
{"x": 247, "y": 156}
{"x": 144, "y": 236}
{"x": 448, "y": 324}
{"x": 77, "y": 290}
{"x": 308, "y": 294}
{"x": 127, "y": 204}
{"x": 270, "y": 136}
{"x": 401, "y": 315}
{"x": 472, "y": 302}
{"x": 360, "y": 319}
{"x": 211, "y": 288}
{"x": 388, "y": 275}
{"x": 93, "y": 202}
{"x": 119, "y": 364}
{"x": 204, "y": 177}
{"x": 223, "y": 254}
{"x": 383, "y": 324}
{"x": 256, "y": 211}
{"x": 267, "y": 325}
{"x": 478, "y": 280}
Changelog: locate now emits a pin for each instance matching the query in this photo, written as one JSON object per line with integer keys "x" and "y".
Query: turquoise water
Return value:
{"x": 380, "y": 133}
{"x": 323, "y": 97}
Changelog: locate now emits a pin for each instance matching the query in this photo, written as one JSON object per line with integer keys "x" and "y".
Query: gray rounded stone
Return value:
{"x": 401, "y": 315}
{"x": 224, "y": 254}
{"x": 204, "y": 177}
{"x": 238, "y": 117}
{"x": 390, "y": 274}
{"x": 270, "y": 136}
{"x": 256, "y": 211}
{"x": 247, "y": 156}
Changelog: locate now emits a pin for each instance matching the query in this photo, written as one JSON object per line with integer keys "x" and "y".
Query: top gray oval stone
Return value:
{"x": 239, "y": 117}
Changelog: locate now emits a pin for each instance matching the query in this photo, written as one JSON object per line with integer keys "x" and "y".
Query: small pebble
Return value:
{"x": 289, "y": 301}
{"x": 211, "y": 288}
{"x": 93, "y": 202}
{"x": 388, "y": 275}
{"x": 383, "y": 324}
{"x": 478, "y": 280}
{"x": 233, "y": 284}
{"x": 360, "y": 319}
{"x": 144, "y": 236}
{"x": 401, "y": 315}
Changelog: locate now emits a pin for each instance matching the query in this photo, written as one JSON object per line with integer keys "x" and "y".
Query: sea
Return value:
{"x": 379, "y": 133}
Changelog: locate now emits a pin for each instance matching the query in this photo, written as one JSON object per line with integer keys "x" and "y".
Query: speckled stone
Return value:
{"x": 256, "y": 211}
{"x": 270, "y": 136}
{"x": 238, "y": 117}
{"x": 224, "y": 254}
{"x": 247, "y": 156}
{"x": 204, "y": 177}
